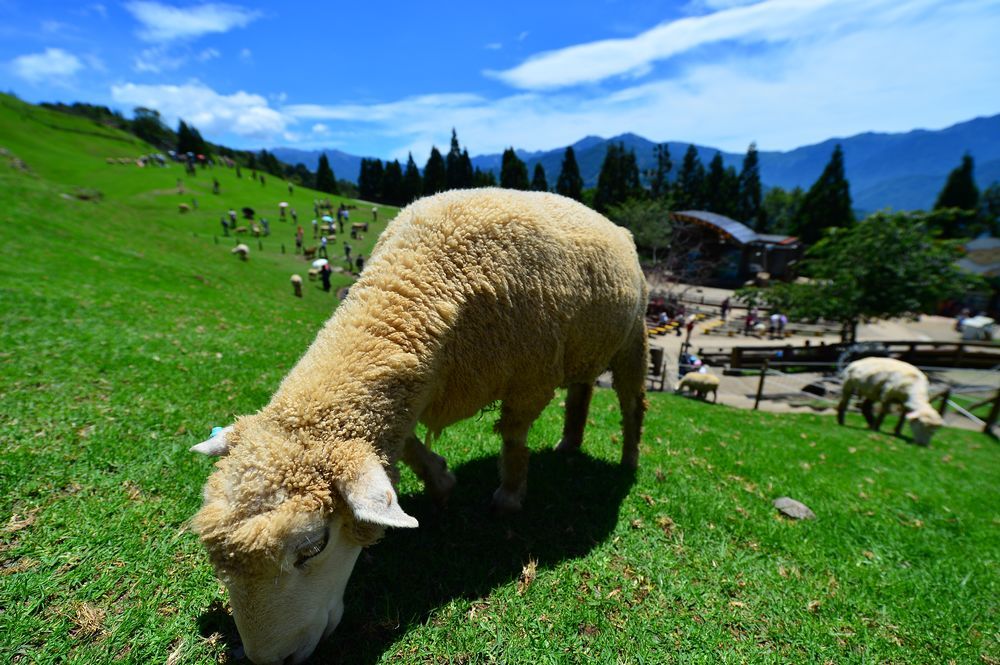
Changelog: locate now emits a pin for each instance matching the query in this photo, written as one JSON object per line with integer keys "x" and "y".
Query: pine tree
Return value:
{"x": 690, "y": 186}
{"x": 484, "y": 178}
{"x": 729, "y": 193}
{"x": 392, "y": 184}
{"x": 148, "y": 126}
{"x": 465, "y": 170}
{"x": 827, "y": 204}
{"x": 659, "y": 177}
{"x": 435, "y": 174}
{"x": 748, "y": 209}
{"x": 570, "y": 184}
{"x": 325, "y": 180}
{"x": 413, "y": 184}
{"x": 185, "y": 141}
{"x": 370, "y": 179}
{"x": 513, "y": 172}
{"x": 619, "y": 178}
{"x": 458, "y": 166}
{"x": 714, "y": 196}
{"x": 960, "y": 190}
{"x": 538, "y": 181}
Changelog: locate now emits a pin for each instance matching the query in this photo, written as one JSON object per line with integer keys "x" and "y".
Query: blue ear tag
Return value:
{"x": 215, "y": 431}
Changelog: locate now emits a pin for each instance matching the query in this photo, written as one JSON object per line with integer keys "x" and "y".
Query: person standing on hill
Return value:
{"x": 299, "y": 236}
{"x": 724, "y": 308}
{"x": 324, "y": 274}
{"x": 347, "y": 253}
{"x": 374, "y": 213}
{"x": 360, "y": 262}
{"x": 322, "y": 247}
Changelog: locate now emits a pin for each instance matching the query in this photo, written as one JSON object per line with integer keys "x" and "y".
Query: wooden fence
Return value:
{"x": 825, "y": 357}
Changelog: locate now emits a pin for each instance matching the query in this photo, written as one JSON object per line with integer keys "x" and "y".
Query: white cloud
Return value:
{"x": 208, "y": 54}
{"x": 320, "y": 128}
{"x": 246, "y": 54}
{"x": 53, "y": 64}
{"x": 493, "y": 46}
{"x": 164, "y": 23}
{"x": 158, "y": 59}
{"x": 765, "y": 23}
{"x": 241, "y": 113}
{"x": 879, "y": 75}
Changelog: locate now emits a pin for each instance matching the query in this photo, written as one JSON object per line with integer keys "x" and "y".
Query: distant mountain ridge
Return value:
{"x": 899, "y": 170}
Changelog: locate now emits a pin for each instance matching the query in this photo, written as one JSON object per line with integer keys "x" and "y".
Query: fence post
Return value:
{"x": 994, "y": 413}
{"x": 760, "y": 386}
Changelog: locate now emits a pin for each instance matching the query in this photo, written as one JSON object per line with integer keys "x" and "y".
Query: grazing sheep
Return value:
{"x": 240, "y": 230}
{"x": 889, "y": 382}
{"x": 297, "y": 286}
{"x": 183, "y": 207}
{"x": 699, "y": 383}
{"x": 470, "y": 297}
{"x": 313, "y": 274}
{"x": 309, "y": 253}
{"x": 242, "y": 251}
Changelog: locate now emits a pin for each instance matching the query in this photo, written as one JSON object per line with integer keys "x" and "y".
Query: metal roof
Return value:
{"x": 737, "y": 231}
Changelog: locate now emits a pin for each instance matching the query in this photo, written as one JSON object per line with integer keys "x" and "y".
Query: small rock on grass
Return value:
{"x": 794, "y": 509}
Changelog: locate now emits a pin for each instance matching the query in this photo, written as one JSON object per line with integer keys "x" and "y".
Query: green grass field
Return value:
{"x": 127, "y": 333}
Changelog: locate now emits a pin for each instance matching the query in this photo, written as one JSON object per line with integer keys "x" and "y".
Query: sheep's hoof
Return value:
{"x": 440, "y": 490}
{"x": 505, "y": 502}
{"x": 568, "y": 446}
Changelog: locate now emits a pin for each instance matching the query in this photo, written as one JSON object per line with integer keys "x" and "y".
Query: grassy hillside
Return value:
{"x": 127, "y": 333}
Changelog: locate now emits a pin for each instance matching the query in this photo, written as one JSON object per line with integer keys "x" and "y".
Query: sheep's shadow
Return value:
{"x": 462, "y": 552}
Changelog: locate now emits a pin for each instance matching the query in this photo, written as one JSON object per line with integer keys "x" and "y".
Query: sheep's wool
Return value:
{"x": 469, "y": 297}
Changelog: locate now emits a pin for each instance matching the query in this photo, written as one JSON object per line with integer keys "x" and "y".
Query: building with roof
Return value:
{"x": 732, "y": 253}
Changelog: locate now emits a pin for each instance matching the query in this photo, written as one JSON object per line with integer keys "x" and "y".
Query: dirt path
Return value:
{"x": 783, "y": 393}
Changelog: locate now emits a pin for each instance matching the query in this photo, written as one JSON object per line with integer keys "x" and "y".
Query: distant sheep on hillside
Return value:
{"x": 297, "y": 286}
{"x": 889, "y": 382}
{"x": 242, "y": 251}
{"x": 700, "y": 384}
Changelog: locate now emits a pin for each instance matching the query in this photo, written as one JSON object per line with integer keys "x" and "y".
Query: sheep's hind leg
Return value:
{"x": 628, "y": 369}
{"x": 430, "y": 468}
{"x": 513, "y": 426}
{"x": 577, "y": 404}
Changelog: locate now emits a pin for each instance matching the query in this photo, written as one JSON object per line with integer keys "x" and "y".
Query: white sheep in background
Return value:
{"x": 470, "y": 297}
{"x": 242, "y": 251}
{"x": 700, "y": 383}
{"x": 889, "y": 382}
{"x": 297, "y": 286}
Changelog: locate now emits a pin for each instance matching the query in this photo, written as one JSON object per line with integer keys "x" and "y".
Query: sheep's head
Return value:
{"x": 284, "y": 520}
{"x": 924, "y": 421}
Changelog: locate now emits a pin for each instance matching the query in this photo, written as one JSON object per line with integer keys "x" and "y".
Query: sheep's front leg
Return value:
{"x": 431, "y": 468}
{"x": 883, "y": 409}
{"x": 866, "y": 411}
{"x": 513, "y": 426}
{"x": 845, "y": 400}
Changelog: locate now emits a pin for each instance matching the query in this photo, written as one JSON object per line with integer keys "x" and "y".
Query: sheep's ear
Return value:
{"x": 217, "y": 445}
{"x": 372, "y": 498}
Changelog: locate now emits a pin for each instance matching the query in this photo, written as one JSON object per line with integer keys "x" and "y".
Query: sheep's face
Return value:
{"x": 923, "y": 423}
{"x": 284, "y": 541}
{"x": 283, "y": 612}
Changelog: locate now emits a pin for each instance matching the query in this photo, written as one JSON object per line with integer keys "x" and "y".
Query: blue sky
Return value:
{"x": 384, "y": 78}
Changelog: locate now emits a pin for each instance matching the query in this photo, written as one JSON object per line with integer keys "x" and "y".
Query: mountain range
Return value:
{"x": 904, "y": 171}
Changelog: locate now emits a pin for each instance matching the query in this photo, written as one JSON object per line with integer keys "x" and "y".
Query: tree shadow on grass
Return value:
{"x": 463, "y": 553}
